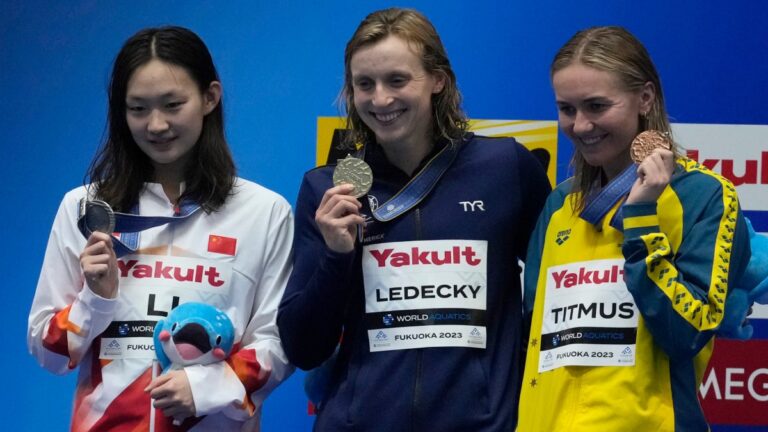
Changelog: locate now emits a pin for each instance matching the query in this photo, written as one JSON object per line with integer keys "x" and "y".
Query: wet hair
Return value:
{"x": 448, "y": 120}
{"x": 615, "y": 50}
{"x": 120, "y": 168}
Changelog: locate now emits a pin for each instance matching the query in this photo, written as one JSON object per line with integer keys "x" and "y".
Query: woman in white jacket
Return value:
{"x": 228, "y": 245}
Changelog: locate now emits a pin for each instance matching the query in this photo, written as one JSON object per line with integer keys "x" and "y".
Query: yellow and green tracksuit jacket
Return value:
{"x": 679, "y": 256}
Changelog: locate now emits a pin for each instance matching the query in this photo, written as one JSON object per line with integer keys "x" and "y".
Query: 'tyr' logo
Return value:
{"x": 472, "y": 205}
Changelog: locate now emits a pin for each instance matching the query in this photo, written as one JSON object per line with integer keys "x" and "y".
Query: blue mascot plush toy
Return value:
{"x": 753, "y": 287}
{"x": 193, "y": 333}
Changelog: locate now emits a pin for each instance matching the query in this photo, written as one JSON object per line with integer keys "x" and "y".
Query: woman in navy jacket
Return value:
{"x": 421, "y": 276}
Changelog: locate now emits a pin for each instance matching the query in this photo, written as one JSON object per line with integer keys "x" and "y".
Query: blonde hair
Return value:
{"x": 448, "y": 119}
{"x": 615, "y": 50}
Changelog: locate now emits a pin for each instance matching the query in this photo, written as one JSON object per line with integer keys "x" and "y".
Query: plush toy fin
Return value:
{"x": 760, "y": 293}
{"x": 161, "y": 357}
{"x": 735, "y": 324}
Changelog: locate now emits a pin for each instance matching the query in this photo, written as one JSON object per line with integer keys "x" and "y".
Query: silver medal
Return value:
{"x": 356, "y": 172}
{"x": 99, "y": 216}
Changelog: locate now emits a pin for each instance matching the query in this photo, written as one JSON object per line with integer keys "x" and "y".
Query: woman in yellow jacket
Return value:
{"x": 629, "y": 265}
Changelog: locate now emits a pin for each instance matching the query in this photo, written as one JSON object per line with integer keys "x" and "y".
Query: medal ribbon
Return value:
{"x": 419, "y": 186}
{"x": 130, "y": 224}
{"x": 599, "y": 204}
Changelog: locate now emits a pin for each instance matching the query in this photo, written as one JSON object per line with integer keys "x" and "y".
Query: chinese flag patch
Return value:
{"x": 222, "y": 245}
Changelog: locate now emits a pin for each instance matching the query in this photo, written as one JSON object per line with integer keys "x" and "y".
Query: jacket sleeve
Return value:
{"x": 312, "y": 311}
{"x": 535, "y": 250}
{"x": 66, "y": 316}
{"x": 258, "y": 364}
{"x": 531, "y": 275}
{"x": 535, "y": 189}
{"x": 681, "y": 293}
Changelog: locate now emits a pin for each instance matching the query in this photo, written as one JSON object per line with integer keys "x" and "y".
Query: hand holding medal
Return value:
{"x": 652, "y": 151}
{"x": 338, "y": 215}
{"x": 98, "y": 259}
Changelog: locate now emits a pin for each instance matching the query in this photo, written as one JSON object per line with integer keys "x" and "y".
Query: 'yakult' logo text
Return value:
{"x": 417, "y": 256}
{"x": 746, "y": 174}
{"x": 159, "y": 270}
{"x": 569, "y": 279}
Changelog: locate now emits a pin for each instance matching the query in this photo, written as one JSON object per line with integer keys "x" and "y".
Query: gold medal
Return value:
{"x": 646, "y": 142}
{"x": 354, "y": 171}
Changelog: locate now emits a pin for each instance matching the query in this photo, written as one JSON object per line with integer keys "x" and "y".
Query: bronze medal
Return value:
{"x": 646, "y": 142}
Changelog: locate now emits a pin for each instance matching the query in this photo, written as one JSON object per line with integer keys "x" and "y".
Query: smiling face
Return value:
{"x": 393, "y": 93}
{"x": 165, "y": 111}
{"x": 599, "y": 116}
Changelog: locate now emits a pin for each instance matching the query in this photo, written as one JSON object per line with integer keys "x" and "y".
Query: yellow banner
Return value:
{"x": 538, "y": 136}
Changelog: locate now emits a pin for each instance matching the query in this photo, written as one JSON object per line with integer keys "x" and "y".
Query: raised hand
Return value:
{"x": 653, "y": 175}
{"x": 99, "y": 264}
{"x": 338, "y": 217}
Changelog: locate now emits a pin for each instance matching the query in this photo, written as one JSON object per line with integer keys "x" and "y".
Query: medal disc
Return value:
{"x": 646, "y": 142}
{"x": 353, "y": 171}
{"x": 99, "y": 217}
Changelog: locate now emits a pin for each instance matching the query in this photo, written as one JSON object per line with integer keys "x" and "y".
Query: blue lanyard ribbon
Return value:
{"x": 419, "y": 186}
{"x": 129, "y": 225}
{"x": 598, "y": 205}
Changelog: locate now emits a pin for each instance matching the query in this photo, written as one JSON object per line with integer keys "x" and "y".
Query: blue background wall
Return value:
{"x": 281, "y": 67}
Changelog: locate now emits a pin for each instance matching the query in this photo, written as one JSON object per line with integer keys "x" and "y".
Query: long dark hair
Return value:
{"x": 448, "y": 120}
{"x": 120, "y": 168}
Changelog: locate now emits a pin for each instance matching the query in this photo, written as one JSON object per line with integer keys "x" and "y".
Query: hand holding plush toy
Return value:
{"x": 193, "y": 334}
{"x": 753, "y": 287}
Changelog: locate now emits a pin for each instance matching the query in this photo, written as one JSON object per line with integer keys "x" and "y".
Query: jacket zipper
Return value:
{"x": 420, "y": 351}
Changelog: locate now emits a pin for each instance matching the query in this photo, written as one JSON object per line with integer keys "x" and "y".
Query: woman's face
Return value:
{"x": 599, "y": 115}
{"x": 393, "y": 92}
{"x": 165, "y": 111}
